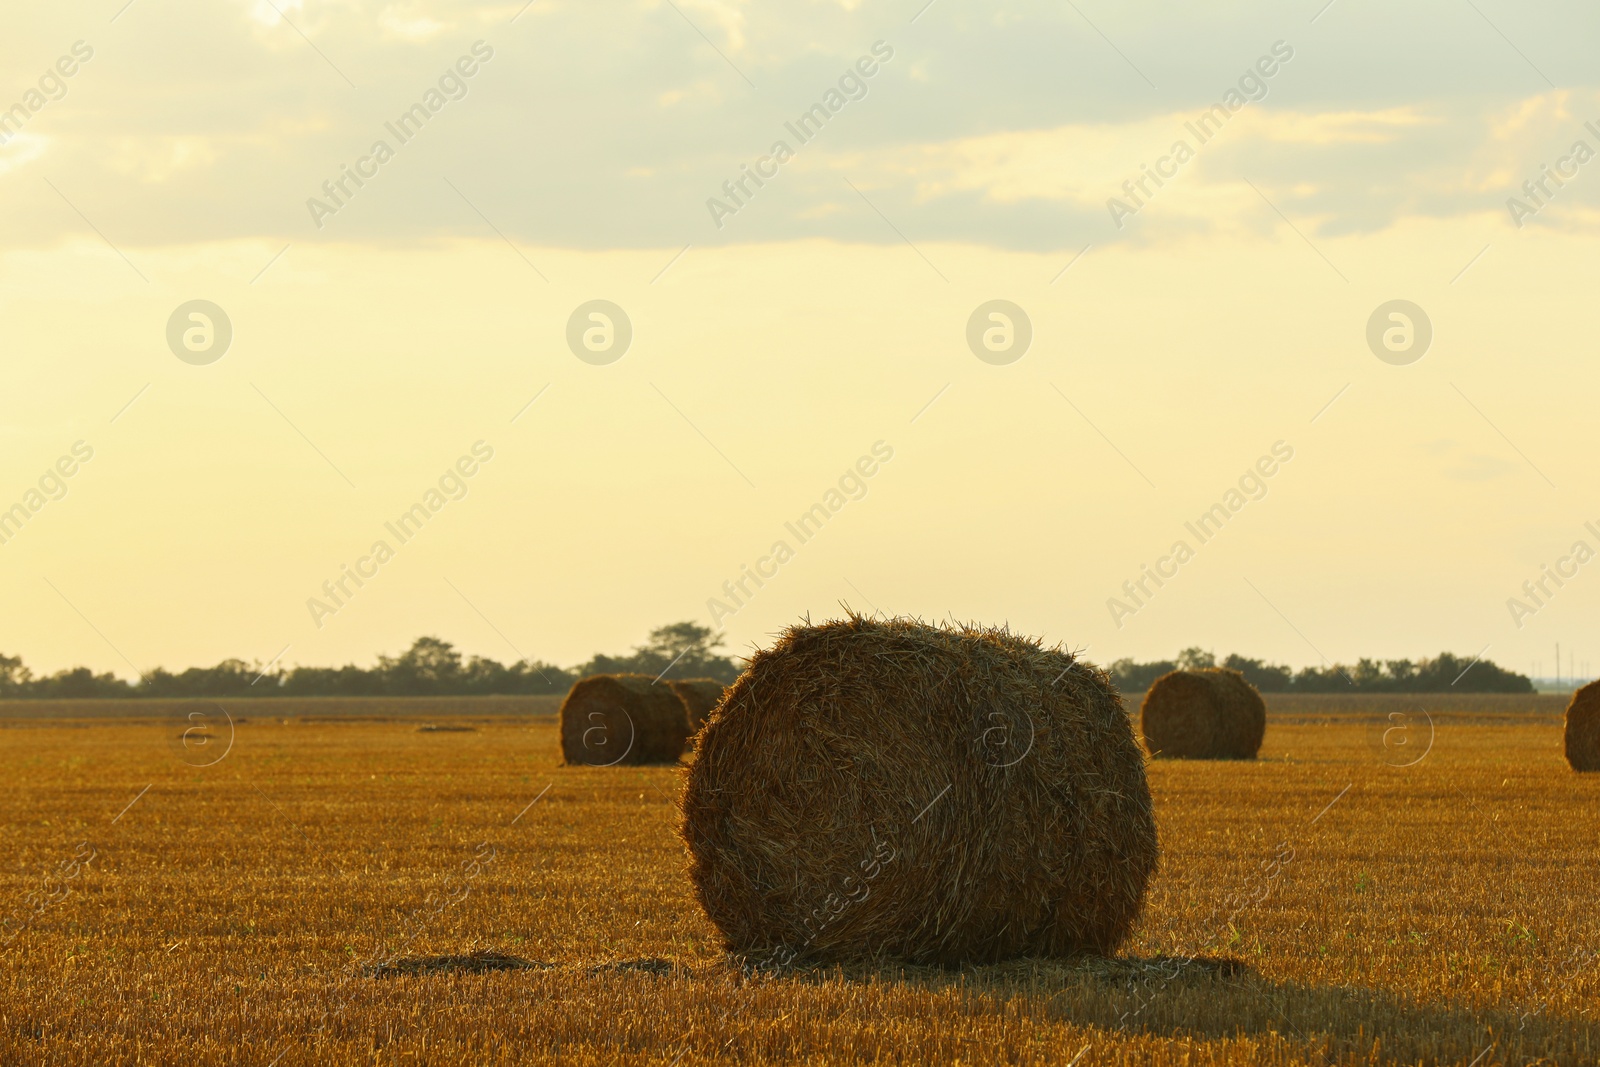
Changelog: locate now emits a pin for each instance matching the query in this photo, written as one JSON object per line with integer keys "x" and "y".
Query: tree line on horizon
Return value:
{"x": 433, "y": 667}
{"x": 1445, "y": 673}
{"x": 430, "y": 667}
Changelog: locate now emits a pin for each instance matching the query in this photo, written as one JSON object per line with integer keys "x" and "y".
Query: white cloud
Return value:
{"x": 21, "y": 150}
{"x": 405, "y": 22}
{"x": 159, "y": 159}
{"x": 1087, "y": 163}
{"x": 722, "y": 15}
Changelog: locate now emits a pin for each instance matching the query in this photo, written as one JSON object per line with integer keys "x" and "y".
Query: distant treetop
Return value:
{"x": 430, "y": 667}
{"x": 433, "y": 667}
{"x": 1446, "y": 673}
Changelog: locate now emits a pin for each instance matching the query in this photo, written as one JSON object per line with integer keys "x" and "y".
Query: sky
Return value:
{"x": 1018, "y": 294}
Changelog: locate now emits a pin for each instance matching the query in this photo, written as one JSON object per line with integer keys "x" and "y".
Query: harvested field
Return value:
{"x": 1339, "y": 909}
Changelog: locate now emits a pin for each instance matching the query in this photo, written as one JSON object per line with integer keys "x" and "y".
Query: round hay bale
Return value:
{"x": 1205, "y": 714}
{"x": 1582, "y": 732}
{"x": 699, "y": 696}
{"x": 886, "y": 789}
{"x": 610, "y": 719}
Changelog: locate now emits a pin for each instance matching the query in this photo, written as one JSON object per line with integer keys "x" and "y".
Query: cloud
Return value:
{"x": 1458, "y": 463}
{"x": 22, "y": 150}
{"x": 611, "y": 127}
{"x": 720, "y": 15}
{"x": 1086, "y": 163}
{"x": 407, "y": 23}
{"x": 157, "y": 160}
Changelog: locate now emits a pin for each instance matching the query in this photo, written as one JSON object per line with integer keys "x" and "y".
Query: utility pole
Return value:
{"x": 1558, "y": 664}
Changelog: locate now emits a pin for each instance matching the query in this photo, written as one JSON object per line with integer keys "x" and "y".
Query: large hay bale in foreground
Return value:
{"x": 883, "y": 788}
{"x": 1583, "y": 729}
{"x": 1204, "y": 714}
{"x": 610, "y": 719}
{"x": 699, "y": 696}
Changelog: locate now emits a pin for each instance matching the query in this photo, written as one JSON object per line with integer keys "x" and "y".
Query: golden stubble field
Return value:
{"x": 1342, "y": 908}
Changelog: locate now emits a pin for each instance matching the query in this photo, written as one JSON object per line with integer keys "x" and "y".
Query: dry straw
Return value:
{"x": 1583, "y": 729}
{"x": 889, "y": 789}
{"x": 699, "y": 696}
{"x": 611, "y": 719}
{"x": 1206, "y": 714}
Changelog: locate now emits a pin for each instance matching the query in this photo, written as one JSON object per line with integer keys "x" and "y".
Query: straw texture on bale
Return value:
{"x": 611, "y": 719}
{"x": 1583, "y": 729}
{"x": 887, "y": 789}
{"x": 699, "y": 696}
{"x": 1203, "y": 714}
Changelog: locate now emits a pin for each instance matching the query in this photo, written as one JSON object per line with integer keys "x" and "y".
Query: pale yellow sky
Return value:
{"x": 205, "y": 520}
{"x": 368, "y": 356}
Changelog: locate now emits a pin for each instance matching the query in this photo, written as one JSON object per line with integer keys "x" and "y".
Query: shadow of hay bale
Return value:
{"x": 480, "y": 962}
{"x": 649, "y": 965}
{"x": 1018, "y": 974}
{"x": 1339, "y": 1023}
{"x": 1214, "y": 998}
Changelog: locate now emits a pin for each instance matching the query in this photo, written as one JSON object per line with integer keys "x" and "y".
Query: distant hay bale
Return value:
{"x": 611, "y": 719}
{"x": 1203, "y": 714}
{"x": 886, "y": 789}
{"x": 1583, "y": 729}
{"x": 699, "y": 696}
